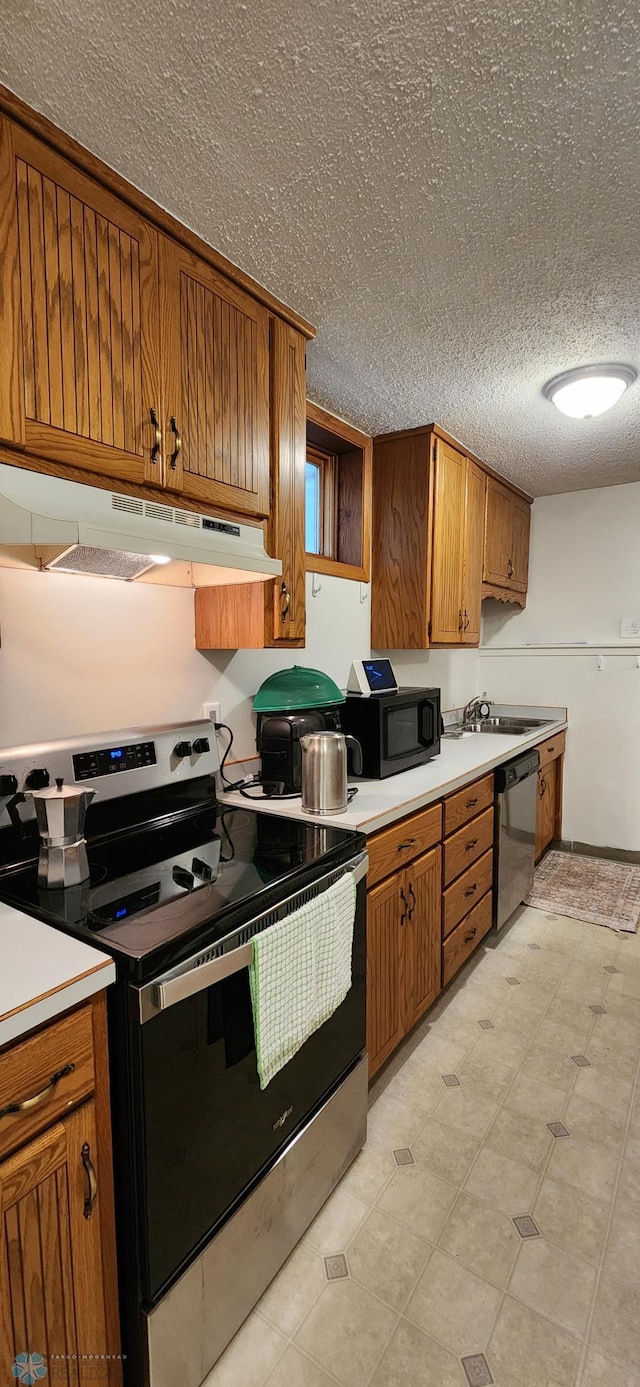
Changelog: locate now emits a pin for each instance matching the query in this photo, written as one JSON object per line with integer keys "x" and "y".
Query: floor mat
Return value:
{"x": 588, "y": 888}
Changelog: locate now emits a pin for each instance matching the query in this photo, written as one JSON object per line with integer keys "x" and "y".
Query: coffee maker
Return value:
{"x": 60, "y": 815}
{"x": 291, "y": 704}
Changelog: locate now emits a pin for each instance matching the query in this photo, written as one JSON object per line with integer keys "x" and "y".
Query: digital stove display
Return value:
{"x": 110, "y": 760}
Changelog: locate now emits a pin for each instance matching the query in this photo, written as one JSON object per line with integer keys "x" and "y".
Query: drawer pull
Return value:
{"x": 471, "y": 889}
{"x": 472, "y": 844}
{"x": 410, "y": 843}
{"x": 550, "y": 748}
{"x": 470, "y": 935}
{"x": 29, "y": 1103}
{"x": 471, "y": 802}
{"x": 92, "y": 1180}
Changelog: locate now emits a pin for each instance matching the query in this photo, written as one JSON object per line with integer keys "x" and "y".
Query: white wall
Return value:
{"x": 85, "y": 654}
{"x": 584, "y": 576}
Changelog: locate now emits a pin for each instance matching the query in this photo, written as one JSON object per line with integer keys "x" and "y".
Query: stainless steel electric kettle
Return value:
{"x": 60, "y": 814}
{"x": 324, "y": 771}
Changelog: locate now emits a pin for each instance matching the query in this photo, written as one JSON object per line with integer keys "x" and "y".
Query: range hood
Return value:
{"x": 74, "y": 528}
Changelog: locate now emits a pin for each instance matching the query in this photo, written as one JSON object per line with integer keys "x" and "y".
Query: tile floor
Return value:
{"x": 489, "y": 1232}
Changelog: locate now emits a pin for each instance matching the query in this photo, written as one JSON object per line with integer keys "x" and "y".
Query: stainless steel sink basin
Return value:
{"x": 508, "y": 727}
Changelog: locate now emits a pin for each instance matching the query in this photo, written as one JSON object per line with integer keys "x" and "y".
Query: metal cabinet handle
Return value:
{"x": 405, "y": 913}
{"x": 471, "y": 889}
{"x": 550, "y": 748}
{"x": 285, "y": 600}
{"x": 471, "y": 802}
{"x": 467, "y": 620}
{"x": 157, "y": 447}
{"x": 470, "y": 935}
{"x": 178, "y": 442}
{"x": 92, "y": 1180}
{"x": 543, "y": 787}
{"x": 410, "y": 843}
{"x": 472, "y": 844}
{"x": 413, "y": 897}
{"x": 28, "y": 1103}
{"x": 509, "y": 568}
{"x": 460, "y": 619}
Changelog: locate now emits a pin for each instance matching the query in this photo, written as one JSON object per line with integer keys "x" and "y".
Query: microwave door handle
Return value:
{"x": 164, "y": 992}
{"x": 425, "y": 722}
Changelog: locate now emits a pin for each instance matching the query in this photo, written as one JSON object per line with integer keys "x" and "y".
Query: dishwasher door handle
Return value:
{"x": 174, "y": 987}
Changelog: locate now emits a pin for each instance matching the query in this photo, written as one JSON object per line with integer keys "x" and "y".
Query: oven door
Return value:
{"x": 410, "y": 732}
{"x": 207, "y": 1131}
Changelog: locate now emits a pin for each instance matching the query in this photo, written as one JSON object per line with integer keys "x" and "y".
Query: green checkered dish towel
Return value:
{"x": 301, "y": 972}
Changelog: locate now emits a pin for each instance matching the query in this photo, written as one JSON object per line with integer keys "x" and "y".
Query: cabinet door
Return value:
{"x": 80, "y": 335}
{"x": 422, "y": 933}
{"x": 546, "y": 807}
{"x": 51, "y": 1286}
{"x": 473, "y": 553}
{"x": 285, "y": 535}
{"x": 387, "y": 908}
{"x": 506, "y": 550}
{"x": 447, "y": 618}
{"x": 215, "y": 352}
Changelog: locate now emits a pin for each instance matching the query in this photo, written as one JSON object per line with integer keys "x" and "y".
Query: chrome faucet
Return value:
{"x": 472, "y": 710}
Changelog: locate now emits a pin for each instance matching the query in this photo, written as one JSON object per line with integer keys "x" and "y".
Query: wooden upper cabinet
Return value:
{"x": 506, "y": 545}
{"x": 80, "y": 321}
{"x": 473, "y": 553}
{"x": 215, "y": 349}
{"x": 401, "y": 551}
{"x": 447, "y": 613}
{"x": 285, "y": 532}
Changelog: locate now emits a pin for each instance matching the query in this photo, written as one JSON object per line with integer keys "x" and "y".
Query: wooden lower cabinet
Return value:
{"x": 57, "y": 1243}
{"x": 467, "y": 901}
{"x": 403, "y": 953}
{"x": 549, "y": 802}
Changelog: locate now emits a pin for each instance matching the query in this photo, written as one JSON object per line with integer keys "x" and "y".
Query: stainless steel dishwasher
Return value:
{"x": 515, "y": 832}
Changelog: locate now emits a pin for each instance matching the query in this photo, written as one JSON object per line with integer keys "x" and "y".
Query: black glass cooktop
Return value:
{"x": 153, "y": 889}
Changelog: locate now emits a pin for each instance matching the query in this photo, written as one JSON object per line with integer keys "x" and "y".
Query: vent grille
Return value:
{"x": 187, "y": 517}
{"x": 154, "y": 511}
{"x": 130, "y": 504}
{"x": 101, "y": 563}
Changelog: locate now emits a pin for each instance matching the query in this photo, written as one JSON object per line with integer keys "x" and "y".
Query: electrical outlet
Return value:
{"x": 630, "y": 626}
{"x": 211, "y": 711}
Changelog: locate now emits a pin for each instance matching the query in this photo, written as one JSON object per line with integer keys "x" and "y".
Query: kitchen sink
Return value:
{"x": 509, "y": 727}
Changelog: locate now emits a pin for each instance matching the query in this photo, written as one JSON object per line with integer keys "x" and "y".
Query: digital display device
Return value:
{"x": 372, "y": 677}
{"x": 112, "y": 759}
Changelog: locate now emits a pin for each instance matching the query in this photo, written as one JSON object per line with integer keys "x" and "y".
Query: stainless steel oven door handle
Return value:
{"x": 175, "y": 987}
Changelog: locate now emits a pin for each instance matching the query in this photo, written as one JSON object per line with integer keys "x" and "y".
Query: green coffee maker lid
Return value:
{"x": 295, "y": 689}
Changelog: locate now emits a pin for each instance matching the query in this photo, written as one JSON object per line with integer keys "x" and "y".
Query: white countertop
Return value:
{"x": 380, "y": 802}
{"x": 43, "y": 972}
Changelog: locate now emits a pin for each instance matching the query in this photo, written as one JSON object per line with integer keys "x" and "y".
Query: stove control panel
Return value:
{"x": 113, "y": 759}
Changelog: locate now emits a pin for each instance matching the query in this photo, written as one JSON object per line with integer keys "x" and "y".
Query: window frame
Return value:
{"x": 335, "y": 445}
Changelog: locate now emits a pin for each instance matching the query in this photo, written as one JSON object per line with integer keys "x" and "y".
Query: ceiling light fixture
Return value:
{"x": 589, "y": 390}
{"x": 160, "y": 558}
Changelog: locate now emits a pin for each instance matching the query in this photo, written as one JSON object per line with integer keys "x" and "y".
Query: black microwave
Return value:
{"x": 395, "y": 730}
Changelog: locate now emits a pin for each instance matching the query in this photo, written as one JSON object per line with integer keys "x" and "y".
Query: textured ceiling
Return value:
{"x": 449, "y": 191}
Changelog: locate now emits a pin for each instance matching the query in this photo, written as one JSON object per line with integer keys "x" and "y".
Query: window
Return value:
{"x": 321, "y": 515}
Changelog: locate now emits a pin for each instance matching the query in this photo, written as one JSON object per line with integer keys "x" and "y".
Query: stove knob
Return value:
{"x": 182, "y": 749}
{"x": 201, "y": 869}
{"x": 201, "y": 744}
{"x": 183, "y": 878}
{"x": 8, "y": 785}
{"x": 37, "y": 779}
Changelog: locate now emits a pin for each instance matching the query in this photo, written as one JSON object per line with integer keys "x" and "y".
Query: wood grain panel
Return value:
{"x": 215, "y": 351}
{"x": 473, "y": 553}
{"x": 465, "y": 938}
{"x": 467, "y": 845}
{"x": 232, "y": 616}
{"x": 12, "y": 393}
{"x": 285, "y": 534}
{"x": 551, "y": 749}
{"x": 402, "y": 503}
{"x": 447, "y": 619}
{"x": 466, "y": 803}
{"x": 27, "y": 1068}
{"x": 506, "y": 545}
{"x": 397, "y": 845}
{"x": 546, "y": 806}
{"x": 384, "y": 945}
{"x": 422, "y": 936}
{"x": 459, "y": 898}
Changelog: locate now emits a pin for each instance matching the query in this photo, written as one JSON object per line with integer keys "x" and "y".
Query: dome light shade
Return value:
{"x": 160, "y": 558}
{"x": 589, "y": 390}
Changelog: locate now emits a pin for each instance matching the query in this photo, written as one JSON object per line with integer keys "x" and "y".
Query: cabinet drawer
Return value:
{"x": 399, "y": 844}
{"x": 52, "y": 1071}
{"x": 467, "y": 803}
{"x": 467, "y": 845}
{"x": 465, "y": 937}
{"x": 466, "y": 892}
{"x": 549, "y": 751}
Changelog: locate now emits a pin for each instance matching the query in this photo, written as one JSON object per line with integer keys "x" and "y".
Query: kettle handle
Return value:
{"x": 357, "y": 754}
